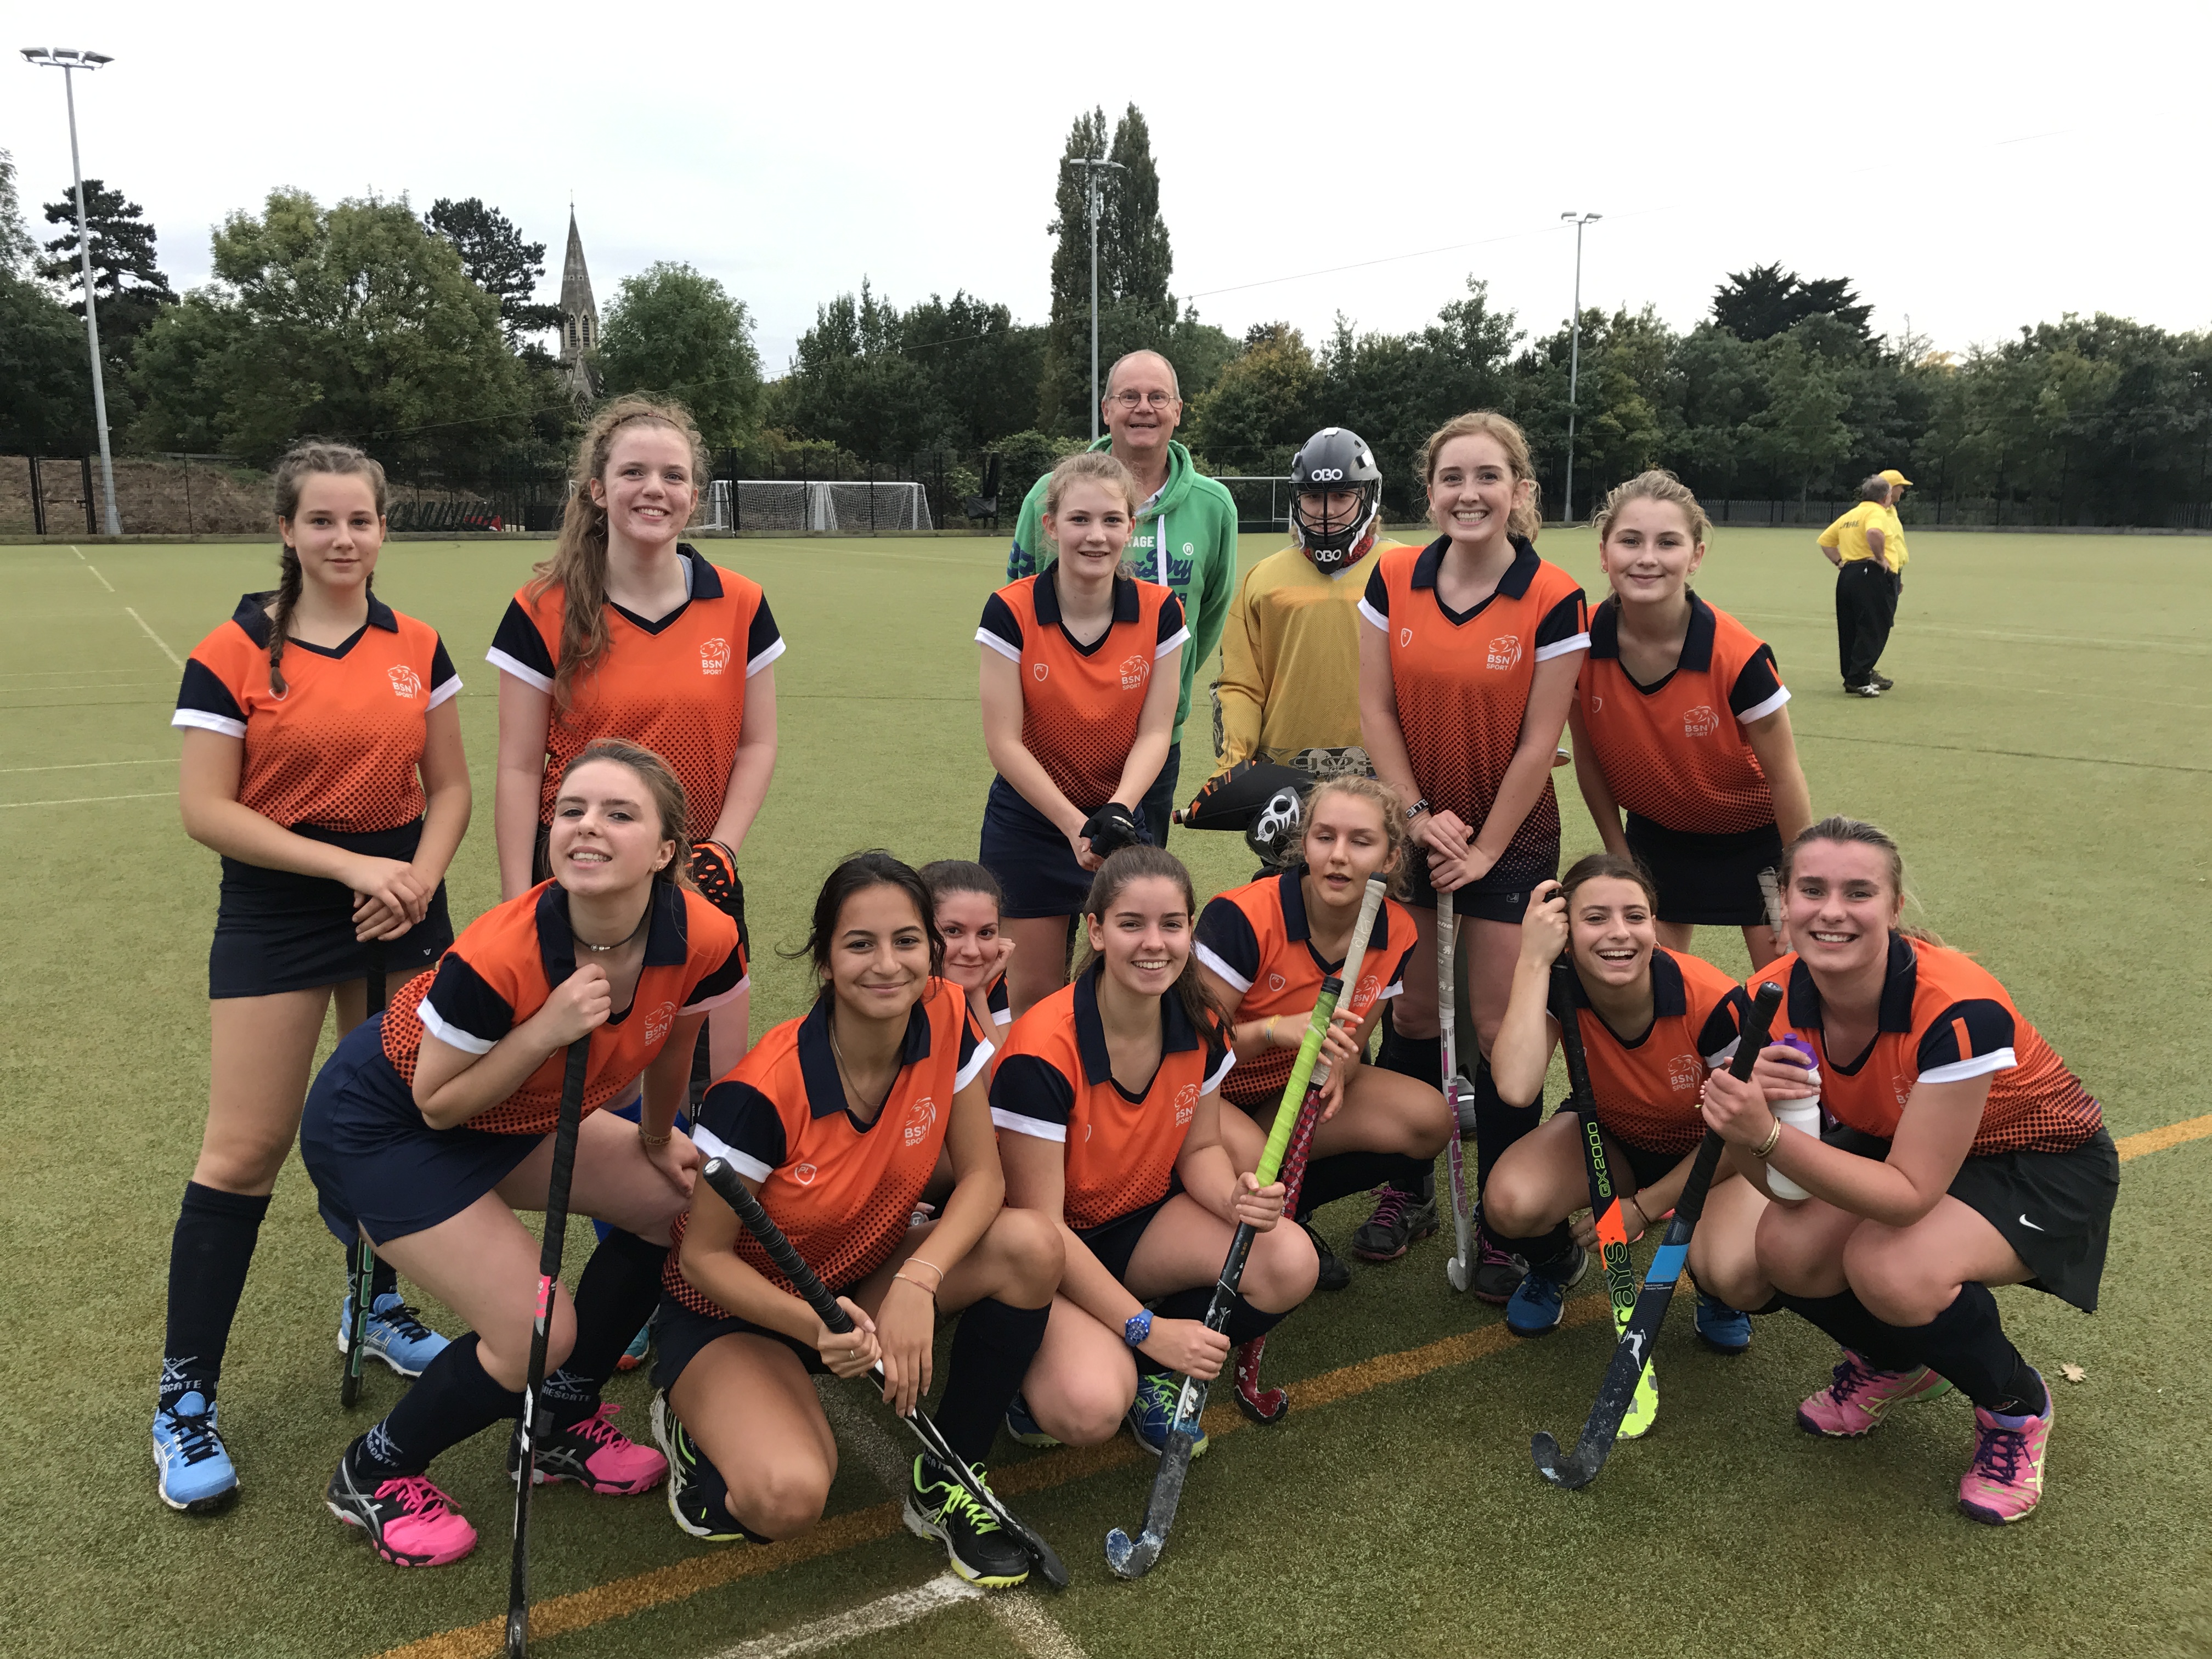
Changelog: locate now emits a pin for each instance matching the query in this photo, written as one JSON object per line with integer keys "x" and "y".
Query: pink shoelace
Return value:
{"x": 600, "y": 1429}
{"x": 416, "y": 1496}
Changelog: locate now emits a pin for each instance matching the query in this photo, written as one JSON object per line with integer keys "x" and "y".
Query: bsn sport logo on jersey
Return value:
{"x": 1185, "y": 1102}
{"x": 405, "y": 682}
{"x": 1366, "y": 991}
{"x": 1700, "y": 722}
{"x": 921, "y": 1119}
{"x": 1041, "y": 670}
{"x": 658, "y": 1022}
{"x": 714, "y": 656}
{"x": 1135, "y": 670}
{"x": 1682, "y": 1073}
{"x": 1504, "y": 651}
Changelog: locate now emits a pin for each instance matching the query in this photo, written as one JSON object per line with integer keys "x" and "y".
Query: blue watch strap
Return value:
{"x": 1137, "y": 1327}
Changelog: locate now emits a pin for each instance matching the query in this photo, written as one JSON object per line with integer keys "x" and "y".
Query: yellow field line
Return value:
{"x": 622, "y": 1597}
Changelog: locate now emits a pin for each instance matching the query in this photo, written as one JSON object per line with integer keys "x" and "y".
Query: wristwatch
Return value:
{"x": 1139, "y": 1327}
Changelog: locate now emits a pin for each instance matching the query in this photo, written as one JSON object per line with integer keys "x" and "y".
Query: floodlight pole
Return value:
{"x": 67, "y": 59}
{"x": 1092, "y": 166}
{"x": 1574, "y": 358}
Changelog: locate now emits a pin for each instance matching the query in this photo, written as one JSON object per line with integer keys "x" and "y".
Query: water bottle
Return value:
{"x": 1803, "y": 1115}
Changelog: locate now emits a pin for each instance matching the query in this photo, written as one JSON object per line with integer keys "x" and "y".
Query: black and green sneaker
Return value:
{"x": 938, "y": 1506}
{"x": 696, "y": 1509}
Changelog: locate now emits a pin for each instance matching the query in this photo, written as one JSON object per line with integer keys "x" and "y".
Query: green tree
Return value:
{"x": 672, "y": 330}
{"x": 854, "y": 383}
{"x": 1264, "y": 405}
{"x": 352, "y": 322}
{"x": 982, "y": 364}
{"x": 498, "y": 261}
{"x": 126, "y": 273}
{"x": 46, "y": 384}
{"x": 16, "y": 246}
{"x": 1801, "y": 435}
{"x": 1766, "y": 301}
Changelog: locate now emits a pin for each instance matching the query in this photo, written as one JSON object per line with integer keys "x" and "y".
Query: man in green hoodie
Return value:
{"x": 1186, "y": 535}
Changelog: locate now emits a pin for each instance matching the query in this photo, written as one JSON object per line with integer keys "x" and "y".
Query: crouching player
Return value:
{"x": 835, "y": 1120}
{"x": 1108, "y": 1108}
{"x": 1264, "y": 950}
{"x": 432, "y": 1125}
{"x": 1966, "y": 1156}
{"x": 1653, "y": 1022}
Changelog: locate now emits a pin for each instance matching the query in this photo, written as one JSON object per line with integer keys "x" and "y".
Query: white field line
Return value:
{"x": 104, "y": 582}
{"x": 887, "y": 1613}
{"x": 81, "y": 558}
{"x": 82, "y": 800}
{"x": 156, "y": 638}
{"x": 79, "y": 766}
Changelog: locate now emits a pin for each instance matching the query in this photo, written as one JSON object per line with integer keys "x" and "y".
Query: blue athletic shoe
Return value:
{"x": 1023, "y": 1427}
{"x": 1720, "y": 1328}
{"x": 395, "y": 1335}
{"x": 1153, "y": 1410}
{"x": 639, "y": 1345}
{"x": 1538, "y": 1303}
{"x": 197, "y": 1474}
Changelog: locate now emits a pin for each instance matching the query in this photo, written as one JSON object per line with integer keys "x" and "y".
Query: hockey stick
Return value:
{"x": 1133, "y": 1558}
{"x": 1460, "y": 1269}
{"x": 363, "y": 1276}
{"x": 548, "y": 1276}
{"x": 722, "y": 1176}
{"x": 1268, "y": 1405}
{"x": 1605, "y": 1204}
{"x": 1580, "y": 1467}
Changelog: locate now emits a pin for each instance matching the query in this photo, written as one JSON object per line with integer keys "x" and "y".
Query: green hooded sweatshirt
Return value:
{"x": 1186, "y": 539}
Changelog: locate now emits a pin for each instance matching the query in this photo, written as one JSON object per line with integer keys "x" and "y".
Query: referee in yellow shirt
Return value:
{"x": 1858, "y": 545}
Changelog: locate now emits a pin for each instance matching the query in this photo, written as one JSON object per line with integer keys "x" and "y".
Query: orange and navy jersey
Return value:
{"x": 1646, "y": 1088}
{"x": 1080, "y": 702}
{"x": 1257, "y": 938}
{"x": 342, "y": 748}
{"x": 506, "y": 961}
{"x": 677, "y": 685}
{"x": 1056, "y": 1081}
{"x": 1462, "y": 678}
{"x": 1002, "y": 1011}
{"x": 841, "y": 1190}
{"x": 1944, "y": 1018}
{"x": 1674, "y": 751}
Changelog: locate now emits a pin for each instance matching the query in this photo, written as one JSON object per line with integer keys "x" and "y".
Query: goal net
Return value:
{"x": 792, "y": 506}
{"x": 713, "y": 513}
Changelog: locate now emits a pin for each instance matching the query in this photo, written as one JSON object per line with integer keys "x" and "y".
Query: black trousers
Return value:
{"x": 1866, "y": 607}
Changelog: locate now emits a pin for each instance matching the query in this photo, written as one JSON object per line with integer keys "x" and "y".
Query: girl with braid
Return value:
{"x": 322, "y": 760}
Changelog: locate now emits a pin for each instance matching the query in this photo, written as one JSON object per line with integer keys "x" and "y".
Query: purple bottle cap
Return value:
{"x": 1804, "y": 1050}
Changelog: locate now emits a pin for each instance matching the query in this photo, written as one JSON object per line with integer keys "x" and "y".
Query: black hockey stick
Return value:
{"x": 363, "y": 1276}
{"x": 548, "y": 1276}
{"x": 1133, "y": 1558}
{"x": 723, "y": 1178}
{"x": 1580, "y": 1467}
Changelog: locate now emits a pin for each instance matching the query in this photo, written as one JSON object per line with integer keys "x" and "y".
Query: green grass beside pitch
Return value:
{"x": 2043, "y": 760}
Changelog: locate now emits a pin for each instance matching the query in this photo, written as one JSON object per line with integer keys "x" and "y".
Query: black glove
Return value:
{"x": 1111, "y": 828}
{"x": 714, "y": 873}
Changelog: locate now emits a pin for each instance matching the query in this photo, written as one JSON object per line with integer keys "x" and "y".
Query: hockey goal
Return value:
{"x": 856, "y": 509}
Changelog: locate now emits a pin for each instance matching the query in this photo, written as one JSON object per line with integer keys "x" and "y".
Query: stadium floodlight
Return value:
{"x": 1574, "y": 358}
{"x": 67, "y": 60}
{"x": 1094, "y": 190}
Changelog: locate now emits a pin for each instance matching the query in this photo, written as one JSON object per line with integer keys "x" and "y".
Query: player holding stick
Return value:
{"x": 322, "y": 759}
{"x": 1078, "y": 686}
{"x": 1654, "y": 1022}
{"x": 429, "y": 1127}
{"x": 1108, "y": 1114}
{"x": 1679, "y": 717}
{"x": 1966, "y": 1156}
{"x": 836, "y": 1122}
{"x": 1263, "y": 951}
{"x": 1466, "y": 670}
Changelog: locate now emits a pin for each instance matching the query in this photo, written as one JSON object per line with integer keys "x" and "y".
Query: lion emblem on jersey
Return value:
{"x": 405, "y": 682}
{"x": 714, "y": 656}
{"x": 1365, "y": 993}
{"x": 1504, "y": 651}
{"x": 921, "y": 1119}
{"x": 1136, "y": 669}
{"x": 1700, "y": 722}
{"x": 1185, "y": 1102}
{"x": 658, "y": 1022}
{"x": 1682, "y": 1073}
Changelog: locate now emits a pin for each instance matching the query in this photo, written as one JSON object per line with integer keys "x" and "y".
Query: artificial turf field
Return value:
{"x": 2043, "y": 760}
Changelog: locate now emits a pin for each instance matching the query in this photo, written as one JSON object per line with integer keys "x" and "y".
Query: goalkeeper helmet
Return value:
{"x": 1277, "y": 834}
{"x": 1335, "y": 460}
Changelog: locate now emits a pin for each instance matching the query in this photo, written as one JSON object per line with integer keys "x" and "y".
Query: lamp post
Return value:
{"x": 67, "y": 59}
{"x": 1092, "y": 166}
{"x": 1575, "y": 357}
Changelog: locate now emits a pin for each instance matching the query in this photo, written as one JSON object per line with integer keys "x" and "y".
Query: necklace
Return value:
{"x": 601, "y": 950}
{"x": 845, "y": 1075}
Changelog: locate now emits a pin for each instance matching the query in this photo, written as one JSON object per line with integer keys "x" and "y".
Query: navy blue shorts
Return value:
{"x": 276, "y": 931}
{"x": 1036, "y": 867}
{"x": 376, "y": 1165}
{"x": 1491, "y": 899}
{"x": 1707, "y": 880}
{"x": 679, "y": 1333}
{"x": 1114, "y": 1242}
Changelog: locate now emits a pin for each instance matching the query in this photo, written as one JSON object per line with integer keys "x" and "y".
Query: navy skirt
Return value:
{"x": 275, "y": 930}
{"x": 1036, "y": 867}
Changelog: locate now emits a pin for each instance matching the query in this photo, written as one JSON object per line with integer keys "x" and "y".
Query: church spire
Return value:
{"x": 580, "y": 319}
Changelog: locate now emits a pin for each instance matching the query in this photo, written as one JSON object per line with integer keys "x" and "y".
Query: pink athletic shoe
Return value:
{"x": 2006, "y": 1481}
{"x": 594, "y": 1454}
{"x": 1860, "y": 1397}
{"x": 409, "y": 1522}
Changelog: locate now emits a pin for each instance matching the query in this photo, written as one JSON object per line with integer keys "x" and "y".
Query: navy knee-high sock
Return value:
{"x": 1966, "y": 1344}
{"x": 1496, "y": 1125}
{"x": 620, "y": 1288}
{"x": 1413, "y": 1057}
{"x": 1846, "y": 1318}
{"x": 1328, "y": 1179}
{"x": 992, "y": 1348}
{"x": 209, "y": 1254}
{"x": 1245, "y": 1323}
{"x": 455, "y": 1398}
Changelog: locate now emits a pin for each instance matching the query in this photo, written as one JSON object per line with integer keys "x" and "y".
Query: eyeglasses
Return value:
{"x": 1149, "y": 399}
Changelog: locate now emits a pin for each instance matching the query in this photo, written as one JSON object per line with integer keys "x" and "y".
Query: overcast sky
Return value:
{"x": 1971, "y": 167}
